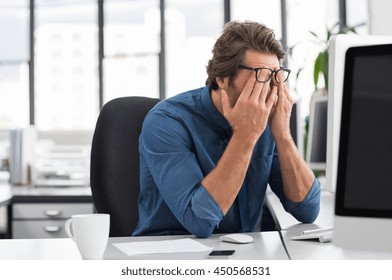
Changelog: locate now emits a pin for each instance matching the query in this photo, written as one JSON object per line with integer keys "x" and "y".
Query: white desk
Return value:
{"x": 312, "y": 249}
{"x": 5, "y": 194}
{"x": 30, "y": 194}
{"x": 285, "y": 221}
{"x": 51, "y": 194}
{"x": 27, "y": 208}
{"x": 38, "y": 249}
{"x": 266, "y": 245}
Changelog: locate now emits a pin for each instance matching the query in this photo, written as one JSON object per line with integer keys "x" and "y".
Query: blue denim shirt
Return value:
{"x": 182, "y": 140}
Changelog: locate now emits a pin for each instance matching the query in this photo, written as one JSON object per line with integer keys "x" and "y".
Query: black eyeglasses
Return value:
{"x": 263, "y": 75}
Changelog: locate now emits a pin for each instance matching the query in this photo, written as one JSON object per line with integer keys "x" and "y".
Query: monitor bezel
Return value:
{"x": 316, "y": 165}
{"x": 340, "y": 208}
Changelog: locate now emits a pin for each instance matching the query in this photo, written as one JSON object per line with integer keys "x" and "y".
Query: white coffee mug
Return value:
{"x": 90, "y": 232}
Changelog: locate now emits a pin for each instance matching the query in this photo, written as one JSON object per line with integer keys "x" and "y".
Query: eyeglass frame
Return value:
{"x": 257, "y": 69}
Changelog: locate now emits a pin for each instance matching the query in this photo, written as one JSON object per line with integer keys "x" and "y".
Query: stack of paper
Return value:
{"x": 62, "y": 165}
{"x": 322, "y": 235}
{"x": 21, "y": 154}
{"x": 160, "y": 247}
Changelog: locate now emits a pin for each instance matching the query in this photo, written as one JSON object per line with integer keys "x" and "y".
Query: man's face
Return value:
{"x": 253, "y": 59}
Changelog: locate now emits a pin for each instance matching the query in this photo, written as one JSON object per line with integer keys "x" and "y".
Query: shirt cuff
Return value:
{"x": 313, "y": 195}
{"x": 307, "y": 210}
{"x": 205, "y": 207}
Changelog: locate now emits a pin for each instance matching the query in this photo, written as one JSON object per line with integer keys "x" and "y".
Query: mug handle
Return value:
{"x": 67, "y": 227}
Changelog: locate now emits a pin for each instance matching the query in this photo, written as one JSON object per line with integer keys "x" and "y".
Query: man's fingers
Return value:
{"x": 272, "y": 97}
{"x": 288, "y": 96}
{"x": 248, "y": 89}
{"x": 281, "y": 95}
{"x": 225, "y": 102}
{"x": 257, "y": 90}
{"x": 264, "y": 92}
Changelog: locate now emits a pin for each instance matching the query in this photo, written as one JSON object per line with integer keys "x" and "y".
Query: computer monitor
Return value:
{"x": 296, "y": 126}
{"x": 316, "y": 155}
{"x": 338, "y": 45}
{"x": 363, "y": 205}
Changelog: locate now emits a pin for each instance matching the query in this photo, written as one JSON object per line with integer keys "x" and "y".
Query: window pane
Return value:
{"x": 66, "y": 72}
{"x": 14, "y": 95}
{"x": 14, "y": 71}
{"x": 132, "y": 46}
{"x": 14, "y": 28}
{"x": 263, "y": 11}
{"x": 358, "y": 15}
{"x": 191, "y": 30}
{"x": 304, "y": 16}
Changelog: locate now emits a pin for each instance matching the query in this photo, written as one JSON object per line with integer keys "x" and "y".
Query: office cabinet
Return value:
{"x": 42, "y": 212}
{"x": 44, "y": 220}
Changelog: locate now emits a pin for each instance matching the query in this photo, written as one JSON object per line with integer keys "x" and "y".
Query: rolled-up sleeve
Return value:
{"x": 205, "y": 207}
{"x": 167, "y": 148}
{"x": 305, "y": 211}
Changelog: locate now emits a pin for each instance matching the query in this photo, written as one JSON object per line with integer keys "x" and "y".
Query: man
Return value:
{"x": 207, "y": 155}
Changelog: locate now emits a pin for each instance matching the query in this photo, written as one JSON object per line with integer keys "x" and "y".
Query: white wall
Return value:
{"x": 380, "y": 19}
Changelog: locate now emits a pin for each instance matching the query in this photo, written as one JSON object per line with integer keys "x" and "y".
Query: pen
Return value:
{"x": 315, "y": 231}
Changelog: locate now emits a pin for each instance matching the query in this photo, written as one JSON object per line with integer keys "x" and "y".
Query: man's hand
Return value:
{"x": 296, "y": 175}
{"x": 248, "y": 118}
{"x": 281, "y": 112}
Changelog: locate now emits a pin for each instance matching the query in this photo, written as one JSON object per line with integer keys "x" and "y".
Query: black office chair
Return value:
{"x": 114, "y": 173}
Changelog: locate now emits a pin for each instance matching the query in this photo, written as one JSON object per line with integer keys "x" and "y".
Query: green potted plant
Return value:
{"x": 321, "y": 62}
{"x": 320, "y": 67}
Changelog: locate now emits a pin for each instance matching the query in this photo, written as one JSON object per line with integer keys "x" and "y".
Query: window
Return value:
{"x": 357, "y": 15}
{"x": 66, "y": 65}
{"x": 304, "y": 16}
{"x": 14, "y": 69}
{"x": 191, "y": 30}
{"x": 263, "y": 11}
{"x": 132, "y": 47}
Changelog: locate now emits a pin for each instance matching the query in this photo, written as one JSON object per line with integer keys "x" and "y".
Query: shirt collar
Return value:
{"x": 212, "y": 113}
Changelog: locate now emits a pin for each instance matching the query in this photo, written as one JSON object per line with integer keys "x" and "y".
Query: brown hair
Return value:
{"x": 229, "y": 50}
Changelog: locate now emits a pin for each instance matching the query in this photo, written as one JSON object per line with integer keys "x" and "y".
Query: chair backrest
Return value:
{"x": 114, "y": 170}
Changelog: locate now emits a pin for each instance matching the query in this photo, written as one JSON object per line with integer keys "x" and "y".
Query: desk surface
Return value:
{"x": 285, "y": 221}
{"x": 266, "y": 245}
{"x": 314, "y": 250}
{"x": 5, "y": 194}
{"x": 10, "y": 194}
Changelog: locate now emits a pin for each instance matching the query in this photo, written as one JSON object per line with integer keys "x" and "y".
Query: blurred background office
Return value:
{"x": 62, "y": 60}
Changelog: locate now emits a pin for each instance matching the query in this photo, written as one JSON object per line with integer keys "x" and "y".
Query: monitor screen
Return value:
{"x": 364, "y": 185}
{"x": 296, "y": 126}
{"x": 293, "y": 124}
{"x": 316, "y": 155}
{"x": 338, "y": 46}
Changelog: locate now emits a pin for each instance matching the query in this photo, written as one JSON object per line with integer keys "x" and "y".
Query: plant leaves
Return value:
{"x": 348, "y": 29}
{"x": 321, "y": 62}
{"x": 297, "y": 76}
{"x": 299, "y": 72}
{"x": 317, "y": 69}
{"x": 314, "y": 34}
{"x": 324, "y": 67}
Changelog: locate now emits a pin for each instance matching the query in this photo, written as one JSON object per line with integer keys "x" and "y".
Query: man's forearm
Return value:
{"x": 225, "y": 180}
{"x": 296, "y": 175}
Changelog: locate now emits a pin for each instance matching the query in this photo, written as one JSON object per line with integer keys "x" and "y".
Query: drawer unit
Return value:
{"x": 38, "y": 229}
{"x": 44, "y": 220}
{"x": 49, "y": 210}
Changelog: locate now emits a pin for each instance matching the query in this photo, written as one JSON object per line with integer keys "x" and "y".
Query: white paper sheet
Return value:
{"x": 159, "y": 247}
